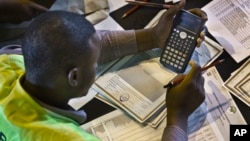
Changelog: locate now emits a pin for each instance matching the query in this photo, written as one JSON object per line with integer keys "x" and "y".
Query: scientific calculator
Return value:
{"x": 181, "y": 41}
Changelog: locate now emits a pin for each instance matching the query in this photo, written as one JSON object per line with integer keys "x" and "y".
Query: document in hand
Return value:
{"x": 229, "y": 22}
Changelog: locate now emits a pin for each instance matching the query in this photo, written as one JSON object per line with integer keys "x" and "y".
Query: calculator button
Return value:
{"x": 183, "y": 35}
{"x": 178, "y": 49}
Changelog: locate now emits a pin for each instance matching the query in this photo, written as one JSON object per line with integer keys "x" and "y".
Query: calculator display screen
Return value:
{"x": 189, "y": 21}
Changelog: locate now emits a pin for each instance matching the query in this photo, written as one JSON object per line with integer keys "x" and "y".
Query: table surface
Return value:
{"x": 93, "y": 111}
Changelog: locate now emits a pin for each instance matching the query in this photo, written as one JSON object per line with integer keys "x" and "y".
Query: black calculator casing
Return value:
{"x": 182, "y": 41}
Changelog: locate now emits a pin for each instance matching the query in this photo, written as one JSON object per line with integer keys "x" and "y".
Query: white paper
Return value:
{"x": 115, "y": 4}
{"x": 154, "y": 122}
{"x": 229, "y": 22}
{"x": 116, "y": 126}
{"x": 221, "y": 107}
{"x": 240, "y": 80}
{"x": 139, "y": 89}
{"x": 109, "y": 23}
{"x": 95, "y": 5}
{"x": 78, "y": 102}
{"x": 244, "y": 86}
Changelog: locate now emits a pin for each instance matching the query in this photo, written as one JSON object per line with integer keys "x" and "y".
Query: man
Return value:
{"x": 61, "y": 51}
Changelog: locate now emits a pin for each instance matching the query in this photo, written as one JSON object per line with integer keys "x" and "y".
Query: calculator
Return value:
{"x": 181, "y": 41}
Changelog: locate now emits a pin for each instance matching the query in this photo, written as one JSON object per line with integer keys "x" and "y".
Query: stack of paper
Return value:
{"x": 210, "y": 121}
{"x": 229, "y": 22}
{"x": 238, "y": 83}
{"x": 135, "y": 84}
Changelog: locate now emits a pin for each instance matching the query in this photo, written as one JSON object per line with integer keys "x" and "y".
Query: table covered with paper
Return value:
{"x": 142, "y": 115}
{"x": 135, "y": 83}
{"x": 210, "y": 121}
{"x": 134, "y": 86}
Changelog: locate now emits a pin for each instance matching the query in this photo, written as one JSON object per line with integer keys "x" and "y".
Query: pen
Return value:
{"x": 177, "y": 81}
{"x": 132, "y": 10}
{"x": 150, "y": 4}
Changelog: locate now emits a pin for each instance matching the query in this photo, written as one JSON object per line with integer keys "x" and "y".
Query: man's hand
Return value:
{"x": 16, "y": 11}
{"x": 156, "y": 36}
{"x": 203, "y": 15}
{"x": 183, "y": 99}
{"x": 162, "y": 30}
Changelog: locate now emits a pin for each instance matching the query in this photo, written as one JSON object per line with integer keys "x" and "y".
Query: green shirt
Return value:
{"x": 22, "y": 118}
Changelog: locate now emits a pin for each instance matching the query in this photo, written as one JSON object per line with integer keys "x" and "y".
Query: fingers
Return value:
{"x": 194, "y": 72}
{"x": 200, "y": 39}
{"x": 199, "y": 12}
{"x": 196, "y": 75}
{"x": 203, "y": 15}
{"x": 171, "y": 12}
{"x": 180, "y": 5}
{"x": 200, "y": 89}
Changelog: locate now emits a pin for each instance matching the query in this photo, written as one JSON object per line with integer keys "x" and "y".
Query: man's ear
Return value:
{"x": 72, "y": 77}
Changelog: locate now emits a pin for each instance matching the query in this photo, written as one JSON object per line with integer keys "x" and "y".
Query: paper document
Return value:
{"x": 116, "y": 126}
{"x": 153, "y": 122}
{"x": 210, "y": 121}
{"x": 221, "y": 108}
{"x": 137, "y": 89}
{"x": 239, "y": 83}
{"x": 78, "y": 102}
{"x": 229, "y": 22}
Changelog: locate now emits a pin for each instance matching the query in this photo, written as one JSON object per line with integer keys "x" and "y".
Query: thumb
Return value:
{"x": 170, "y": 13}
{"x": 173, "y": 10}
{"x": 177, "y": 7}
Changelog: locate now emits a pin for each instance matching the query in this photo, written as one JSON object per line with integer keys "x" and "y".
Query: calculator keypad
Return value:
{"x": 178, "y": 49}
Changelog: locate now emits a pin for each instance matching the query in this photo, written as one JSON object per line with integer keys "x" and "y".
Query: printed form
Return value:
{"x": 209, "y": 122}
{"x": 229, "y": 22}
{"x": 238, "y": 83}
{"x": 138, "y": 89}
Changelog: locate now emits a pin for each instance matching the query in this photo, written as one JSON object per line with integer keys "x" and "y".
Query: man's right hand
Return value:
{"x": 183, "y": 99}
